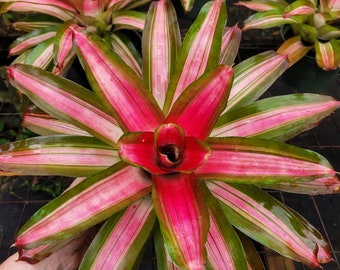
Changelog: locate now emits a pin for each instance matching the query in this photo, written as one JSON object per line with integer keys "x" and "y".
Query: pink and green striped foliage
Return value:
{"x": 179, "y": 152}
{"x": 314, "y": 24}
{"x": 48, "y": 41}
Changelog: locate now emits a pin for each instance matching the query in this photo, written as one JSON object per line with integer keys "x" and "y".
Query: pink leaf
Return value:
{"x": 86, "y": 204}
{"x": 161, "y": 41}
{"x": 248, "y": 161}
{"x": 183, "y": 218}
{"x": 118, "y": 86}
{"x": 198, "y": 108}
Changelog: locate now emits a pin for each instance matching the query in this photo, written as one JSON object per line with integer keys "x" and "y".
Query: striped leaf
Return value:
{"x": 244, "y": 160}
{"x": 124, "y": 47}
{"x": 45, "y": 124}
{"x": 224, "y": 248}
{"x": 278, "y": 118}
{"x": 328, "y": 54}
{"x": 316, "y": 187}
{"x": 33, "y": 7}
{"x": 56, "y": 155}
{"x": 161, "y": 41}
{"x": 63, "y": 45}
{"x": 119, "y": 87}
{"x": 200, "y": 49}
{"x": 200, "y": 105}
{"x": 88, "y": 203}
{"x": 269, "y": 18}
{"x": 119, "y": 242}
{"x": 269, "y": 222}
{"x": 129, "y": 19}
{"x": 230, "y": 43}
{"x": 65, "y": 100}
{"x": 60, "y": 4}
{"x": 186, "y": 215}
{"x": 262, "y": 5}
{"x": 248, "y": 86}
{"x": 41, "y": 56}
{"x": 294, "y": 49}
{"x": 31, "y": 39}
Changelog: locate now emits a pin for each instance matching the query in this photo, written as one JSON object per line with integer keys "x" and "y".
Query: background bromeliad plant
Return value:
{"x": 167, "y": 151}
{"x": 315, "y": 25}
{"x": 48, "y": 41}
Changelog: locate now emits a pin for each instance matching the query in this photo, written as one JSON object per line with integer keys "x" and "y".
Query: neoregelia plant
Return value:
{"x": 180, "y": 152}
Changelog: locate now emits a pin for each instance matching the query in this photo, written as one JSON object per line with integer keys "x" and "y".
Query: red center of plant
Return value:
{"x": 169, "y": 144}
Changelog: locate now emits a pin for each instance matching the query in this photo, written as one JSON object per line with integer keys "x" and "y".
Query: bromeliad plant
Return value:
{"x": 48, "y": 41}
{"x": 181, "y": 152}
{"x": 315, "y": 25}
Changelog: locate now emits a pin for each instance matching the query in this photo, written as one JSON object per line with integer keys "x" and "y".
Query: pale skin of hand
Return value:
{"x": 67, "y": 258}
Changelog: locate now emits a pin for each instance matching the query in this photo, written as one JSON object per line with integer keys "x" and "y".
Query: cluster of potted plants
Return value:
{"x": 311, "y": 32}
{"x": 171, "y": 143}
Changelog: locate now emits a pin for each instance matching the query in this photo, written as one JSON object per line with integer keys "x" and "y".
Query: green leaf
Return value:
{"x": 86, "y": 204}
{"x": 118, "y": 243}
{"x": 249, "y": 160}
{"x": 65, "y": 100}
{"x": 253, "y": 76}
{"x": 128, "y": 19}
{"x": 200, "y": 49}
{"x": 161, "y": 42}
{"x": 278, "y": 118}
{"x": 164, "y": 262}
{"x": 31, "y": 39}
{"x": 117, "y": 85}
{"x": 125, "y": 48}
{"x": 328, "y": 54}
{"x": 223, "y": 246}
{"x": 56, "y": 155}
{"x": 269, "y": 222}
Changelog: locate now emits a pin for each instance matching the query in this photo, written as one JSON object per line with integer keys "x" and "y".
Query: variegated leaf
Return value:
{"x": 294, "y": 49}
{"x": 45, "y": 124}
{"x": 184, "y": 221}
{"x": 248, "y": 86}
{"x": 230, "y": 43}
{"x": 161, "y": 41}
{"x": 200, "y": 49}
{"x": 278, "y": 118}
{"x": 88, "y": 203}
{"x": 65, "y": 100}
{"x": 248, "y": 160}
{"x": 31, "y": 39}
{"x": 316, "y": 187}
{"x": 269, "y": 222}
{"x": 224, "y": 248}
{"x": 328, "y": 54}
{"x": 56, "y": 155}
{"x": 34, "y": 6}
{"x": 133, "y": 20}
{"x": 119, "y": 242}
{"x": 119, "y": 87}
{"x": 200, "y": 105}
{"x": 269, "y": 18}
{"x": 124, "y": 47}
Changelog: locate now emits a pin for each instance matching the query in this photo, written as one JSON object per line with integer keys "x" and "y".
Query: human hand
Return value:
{"x": 67, "y": 258}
